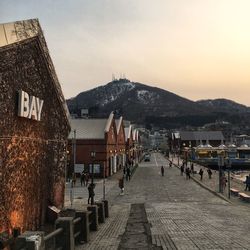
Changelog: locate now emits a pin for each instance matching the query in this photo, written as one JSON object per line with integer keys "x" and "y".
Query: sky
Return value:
{"x": 198, "y": 49}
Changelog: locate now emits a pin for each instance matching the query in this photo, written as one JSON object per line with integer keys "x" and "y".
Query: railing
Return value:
{"x": 68, "y": 231}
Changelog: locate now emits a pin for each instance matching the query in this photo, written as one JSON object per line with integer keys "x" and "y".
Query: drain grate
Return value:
{"x": 137, "y": 233}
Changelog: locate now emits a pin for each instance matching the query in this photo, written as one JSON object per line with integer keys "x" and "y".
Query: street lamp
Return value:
{"x": 229, "y": 164}
{"x": 220, "y": 165}
{"x": 92, "y": 177}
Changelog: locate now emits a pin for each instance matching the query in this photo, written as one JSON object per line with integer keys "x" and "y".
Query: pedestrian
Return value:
{"x": 170, "y": 164}
{"x": 87, "y": 179}
{"x": 247, "y": 182}
{"x": 162, "y": 171}
{"x": 201, "y": 174}
{"x": 128, "y": 174}
{"x": 182, "y": 169}
{"x": 73, "y": 179}
{"x": 82, "y": 178}
{"x": 192, "y": 169}
{"x": 223, "y": 183}
{"x": 124, "y": 171}
{"x": 188, "y": 171}
{"x": 121, "y": 185}
{"x": 91, "y": 188}
{"x": 209, "y": 173}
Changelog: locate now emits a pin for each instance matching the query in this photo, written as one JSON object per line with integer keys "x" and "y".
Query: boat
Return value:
{"x": 237, "y": 158}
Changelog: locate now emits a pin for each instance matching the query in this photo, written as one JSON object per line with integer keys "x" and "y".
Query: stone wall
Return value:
{"x": 32, "y": 153}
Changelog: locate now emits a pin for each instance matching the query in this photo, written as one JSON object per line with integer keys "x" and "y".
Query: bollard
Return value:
{"x": 66, "y": 238}
{"x": 94, "y": 217}
{"x": 101, "y": 212}
{"x": 31, "y": 240}
{"x": 106, "y": 208}
{"x": 83, "y": 225}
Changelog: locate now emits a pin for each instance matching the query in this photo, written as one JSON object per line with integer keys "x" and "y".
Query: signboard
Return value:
{"x": 29, "y": 106}
{"x": 79, "y": 168}
{"x": 97, "y": 168}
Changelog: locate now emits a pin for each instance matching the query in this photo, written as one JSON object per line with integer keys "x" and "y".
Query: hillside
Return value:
{"x": 148, "y": 105}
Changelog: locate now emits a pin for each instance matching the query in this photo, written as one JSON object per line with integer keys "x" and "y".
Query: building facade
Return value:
{"x": 98, "y": 136}
{"x": 33, "y": 129}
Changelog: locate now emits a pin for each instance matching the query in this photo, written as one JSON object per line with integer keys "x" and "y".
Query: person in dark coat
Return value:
{"x": 128, "y": 175}
{"x": 209, "y": 173}
{"x": 83, "y": 176}
{"x": 121, "y": 185}
{"x": 162, "y": 171}
{"x": 201, "y": 174}
{"x": 182, "y": 169}
{"x": 192, "y": 168}
{"x": 247, "y": 182}
{"x": 91, "y": 188}
{"x": 188, "y": 171}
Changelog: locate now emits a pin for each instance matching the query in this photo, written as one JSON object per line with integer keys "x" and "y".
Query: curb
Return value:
{"x": 210, "y": 190}
{"x": 206, "y": 187}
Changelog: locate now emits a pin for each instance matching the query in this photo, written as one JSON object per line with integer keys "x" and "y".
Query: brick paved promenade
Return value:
{"x": 180, "y": 213}
{"x": 213, "y": 183}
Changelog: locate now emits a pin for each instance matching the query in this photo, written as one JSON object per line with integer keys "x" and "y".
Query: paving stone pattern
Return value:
{"x": 137, "y": 233}
{"x": 109, "y": 234}
{"x": 181, "y": 214}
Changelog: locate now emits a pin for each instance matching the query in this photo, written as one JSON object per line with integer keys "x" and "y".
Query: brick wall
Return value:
{"x": 32, "y": 153}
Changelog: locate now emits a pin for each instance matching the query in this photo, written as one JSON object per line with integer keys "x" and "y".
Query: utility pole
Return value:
{"x": 73, "y": 175}
{"x": 228, "y": 181}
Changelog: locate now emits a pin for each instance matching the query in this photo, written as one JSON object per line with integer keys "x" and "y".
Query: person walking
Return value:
{"x": 223, "y": 183}
{"x": 188, "y": 171}
{"x": 124, "y": 171}
{"x": 121, "y": 185}
{"x": 91, "y": 188}
{"x": 82, "y": 178}
{"x": 73, "y": 179}
{"x": 209, "y": 172}
{"x": 192, "y": 169}
{"x": 182, "y": 169}
{"x": 162, "y": 171}
{"x": 170, "y": 164}
{"x": 128, "y": 175}
{"x": 247, "y": 183}
{"x": 87, "y": 179}
{"x": 201, "y": 174}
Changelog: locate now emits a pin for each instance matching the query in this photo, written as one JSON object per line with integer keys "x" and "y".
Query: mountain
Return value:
{"x": 224, "y": 105}
{"x": 152, "y": 106}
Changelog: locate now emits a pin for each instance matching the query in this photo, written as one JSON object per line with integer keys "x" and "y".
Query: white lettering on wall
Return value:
{"x": 29, "y": 106}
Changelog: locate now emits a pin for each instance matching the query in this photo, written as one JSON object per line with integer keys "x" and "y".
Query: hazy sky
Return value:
{"x": 198, "y": 49}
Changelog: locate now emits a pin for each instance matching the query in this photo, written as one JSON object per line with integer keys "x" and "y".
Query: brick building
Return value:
{"x": 34, "y": 128}
{"x": 129, "y": 142}
{"x": 121, "y": 144}
{"x": 99, "y": 136}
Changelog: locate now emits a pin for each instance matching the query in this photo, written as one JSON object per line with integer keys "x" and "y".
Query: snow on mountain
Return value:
{"x": 146, "y": 97}
{"x": 112, "y": 91}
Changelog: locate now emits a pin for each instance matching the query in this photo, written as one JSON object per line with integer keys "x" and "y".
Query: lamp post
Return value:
{"x": 92, "y": 177}
{"x": 229, "y": 164}
{"x": 104, "y": 184}
{"x": 73, "y": 174}
{"x": 220, "y": 165}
